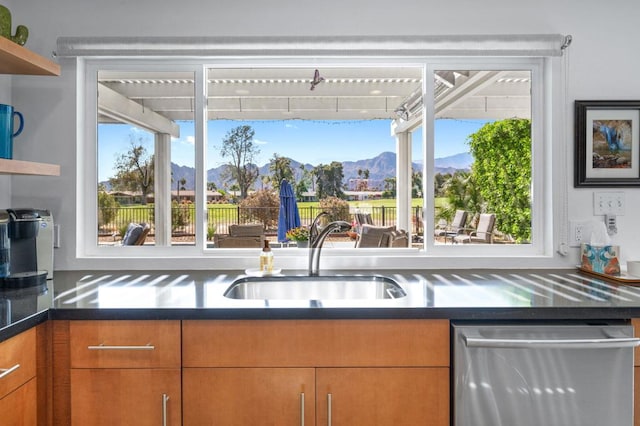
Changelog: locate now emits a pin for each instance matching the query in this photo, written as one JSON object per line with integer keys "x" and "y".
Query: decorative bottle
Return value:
{"x": 266, "y": 259}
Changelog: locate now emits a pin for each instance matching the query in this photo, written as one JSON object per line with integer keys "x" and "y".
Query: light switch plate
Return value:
{"x": 608, "y": 203}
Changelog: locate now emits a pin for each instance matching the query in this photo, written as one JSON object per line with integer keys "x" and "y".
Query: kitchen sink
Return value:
{"x": 363, "y": 287}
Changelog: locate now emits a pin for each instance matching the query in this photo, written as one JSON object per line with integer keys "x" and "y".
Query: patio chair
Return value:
{"x": 456, "y": 227}
{"x": 374, "y": 236}
{"x": 363, "y": 219}
{"x": 241, "y": 236}
{"x": 483, "y": 233}
{"x": 136, "y": 234}
{"x": 396, "y": 238}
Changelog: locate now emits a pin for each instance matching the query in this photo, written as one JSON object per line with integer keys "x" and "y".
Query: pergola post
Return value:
{"x": 403, "y": 180}
{"x": 162, "y": 178}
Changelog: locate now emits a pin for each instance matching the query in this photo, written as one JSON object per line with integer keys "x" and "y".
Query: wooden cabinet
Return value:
{"x": 18, "y": 383}
{"x": 15, "y": 59}
{"x": 124, "y": 373}
{"x": 358, "y": 372}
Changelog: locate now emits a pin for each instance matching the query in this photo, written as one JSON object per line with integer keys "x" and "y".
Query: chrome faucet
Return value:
{"x": 317, "y": 237}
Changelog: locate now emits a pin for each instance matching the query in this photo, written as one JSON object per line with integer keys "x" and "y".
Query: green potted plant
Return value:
{"x": 300, "y": 235}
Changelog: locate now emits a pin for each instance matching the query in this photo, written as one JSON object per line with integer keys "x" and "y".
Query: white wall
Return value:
{"x": 5, "y": 180}
{"x": 602, "y": 65}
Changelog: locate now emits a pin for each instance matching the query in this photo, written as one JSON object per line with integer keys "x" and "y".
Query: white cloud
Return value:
{"x": 260, "y": 142}
{"x": 189, "y": 140}
{"x": 290, "y": 126}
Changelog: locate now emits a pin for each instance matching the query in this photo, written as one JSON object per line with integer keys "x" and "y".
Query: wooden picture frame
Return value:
{"x": 607, "y": 143}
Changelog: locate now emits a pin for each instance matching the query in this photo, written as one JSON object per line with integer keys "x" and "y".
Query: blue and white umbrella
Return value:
{"x": 288, "y": 217}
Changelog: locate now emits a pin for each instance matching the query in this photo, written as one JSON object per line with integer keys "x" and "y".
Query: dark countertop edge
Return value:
{"x": 23, "y": 325}
{"x": 452, "y": 314}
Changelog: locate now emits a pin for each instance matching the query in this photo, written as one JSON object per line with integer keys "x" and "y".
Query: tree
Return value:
{"x": 134, "y": 171}
{"x": 306, "y": 180}
{"x": 181, "y": 186}
{"x": 462, "y": 193}
{"x": 416, "y": 184}
{"x": 363, "y": 180}
{"x": 502, "y": 173}
{"x": 389, "y": 187}
{"x": 280, "y": 168}
{"x": 239, "y": 146}
{"x": 329, "y": 180}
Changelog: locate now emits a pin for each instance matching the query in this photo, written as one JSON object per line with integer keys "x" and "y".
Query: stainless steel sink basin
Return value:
{"x": 315, "y": 288}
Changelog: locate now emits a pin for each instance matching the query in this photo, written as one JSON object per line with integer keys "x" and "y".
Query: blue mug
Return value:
{"x": 7, "y": 119}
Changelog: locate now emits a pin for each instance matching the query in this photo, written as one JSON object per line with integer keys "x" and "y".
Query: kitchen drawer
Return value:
{"x": 124, "y": 344}
{"x": 315, "y": 343}
{"x": 17, "y": 361}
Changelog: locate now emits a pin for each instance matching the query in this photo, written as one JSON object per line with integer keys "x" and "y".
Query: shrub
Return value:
{"x": 261, "y": 206}
{"x": 180, "y": 215}
{"x": 108, "y": 208}
{"x": 337, "y": 208}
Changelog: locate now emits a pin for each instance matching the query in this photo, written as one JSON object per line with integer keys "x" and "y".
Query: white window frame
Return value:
{"x": 545, "y": 71}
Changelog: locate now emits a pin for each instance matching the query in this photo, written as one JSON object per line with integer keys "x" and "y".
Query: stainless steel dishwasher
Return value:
{"x": 549, "y": 375}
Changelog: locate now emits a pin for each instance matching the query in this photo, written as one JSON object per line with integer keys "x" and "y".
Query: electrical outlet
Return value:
{"x": 579, "y": 232}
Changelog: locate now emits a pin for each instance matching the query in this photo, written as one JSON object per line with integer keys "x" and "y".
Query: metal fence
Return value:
{"x": 220, "y": 217}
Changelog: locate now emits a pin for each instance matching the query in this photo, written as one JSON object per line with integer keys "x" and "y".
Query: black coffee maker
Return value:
{"x": 18, "y": 251}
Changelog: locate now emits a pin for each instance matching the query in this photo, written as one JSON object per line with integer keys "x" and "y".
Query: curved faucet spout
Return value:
{"x": 317, "y": 237}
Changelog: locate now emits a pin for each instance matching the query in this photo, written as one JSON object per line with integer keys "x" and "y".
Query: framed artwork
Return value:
{"x": 607, "y": 144}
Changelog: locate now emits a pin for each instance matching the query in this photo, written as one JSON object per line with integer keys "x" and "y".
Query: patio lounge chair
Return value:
{"x": 456, "y": 227}
{"x": 483, "y": 232}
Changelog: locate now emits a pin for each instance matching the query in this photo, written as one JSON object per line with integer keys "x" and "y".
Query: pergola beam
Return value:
{"x": 117, "y": 107}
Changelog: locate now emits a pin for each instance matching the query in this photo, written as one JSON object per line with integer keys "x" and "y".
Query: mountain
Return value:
{"x": 380, "y": 167}
{"x": 460, "y": 161}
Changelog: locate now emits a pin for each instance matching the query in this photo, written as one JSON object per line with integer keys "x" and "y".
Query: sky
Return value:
{"x": 305, "y": 141}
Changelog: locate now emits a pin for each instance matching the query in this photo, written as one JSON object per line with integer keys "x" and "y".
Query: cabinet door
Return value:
{"x": 17, "y": 361}
{"x": 126, "y": 397}
{"x": 248, "y": 396}
{"x": 383, "y": 396}
{"x": 19, "y": 408}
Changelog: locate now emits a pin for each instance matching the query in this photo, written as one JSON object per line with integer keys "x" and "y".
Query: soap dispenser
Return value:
{"x": 266, "y": 259}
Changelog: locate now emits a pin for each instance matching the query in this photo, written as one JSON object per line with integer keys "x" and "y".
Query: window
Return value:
{"x": 146, "y": 153}
{"x": 482, "y": 150}
{"x": 386, "y": 124}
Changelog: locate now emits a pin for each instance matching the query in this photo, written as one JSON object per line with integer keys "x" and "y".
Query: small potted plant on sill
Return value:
{"x": 300, "y": 235}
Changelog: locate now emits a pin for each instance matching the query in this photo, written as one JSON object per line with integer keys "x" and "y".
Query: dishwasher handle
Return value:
{"x": 606, "y": 343}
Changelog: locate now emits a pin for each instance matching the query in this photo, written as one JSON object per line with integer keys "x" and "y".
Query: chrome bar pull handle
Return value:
{"x": 165, "y": 400}
{"x": 103, "y": 347}
{"x": 329, "y": 409}
{"x": 301, "y": 408}
{"x": 612, "y": 343}
{"x": 6, "y": 371}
